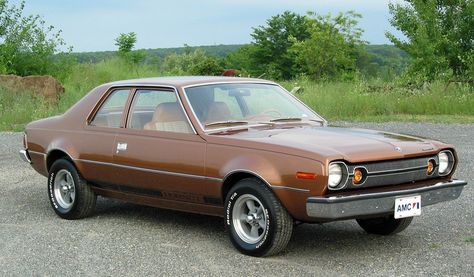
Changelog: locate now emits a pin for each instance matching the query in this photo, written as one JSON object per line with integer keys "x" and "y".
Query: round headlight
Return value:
{"x": 335, "y": 175}
{"x": 443, "y": 160}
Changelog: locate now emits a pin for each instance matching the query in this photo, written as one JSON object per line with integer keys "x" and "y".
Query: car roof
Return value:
{"x": 182, "y": 81}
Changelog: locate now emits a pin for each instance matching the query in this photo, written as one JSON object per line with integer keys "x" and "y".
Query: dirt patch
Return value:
{"x": 46, "y": 86}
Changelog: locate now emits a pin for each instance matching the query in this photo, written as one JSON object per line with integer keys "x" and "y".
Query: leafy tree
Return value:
{"x": 332, "y": 49}
{"x": 243, "y": 60}
{"x": 126, "y": 43}
{"x": 28, "y": 46}
{"x": 273, "y": 41}
{"x": 196, "y": 62}
{"x": 439, "y": 36}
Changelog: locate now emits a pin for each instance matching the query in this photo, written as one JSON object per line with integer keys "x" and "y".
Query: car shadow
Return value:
{"x": 336, "y": 238}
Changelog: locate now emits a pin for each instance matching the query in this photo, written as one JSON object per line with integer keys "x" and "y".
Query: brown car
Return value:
{"x": 243, "y": 149}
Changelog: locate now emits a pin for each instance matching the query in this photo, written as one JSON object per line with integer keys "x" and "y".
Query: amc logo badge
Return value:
{"x": 407, "y": 206}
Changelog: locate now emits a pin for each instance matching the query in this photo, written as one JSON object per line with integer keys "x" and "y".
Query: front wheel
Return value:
{"x": 257, "y": 223}
{"x": 384, "y": 225}
{"x": 70, "y": 195}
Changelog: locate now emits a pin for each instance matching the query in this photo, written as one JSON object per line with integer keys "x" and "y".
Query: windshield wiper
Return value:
{"x": 286, "y": 119}
{"x": 227, "y": 123}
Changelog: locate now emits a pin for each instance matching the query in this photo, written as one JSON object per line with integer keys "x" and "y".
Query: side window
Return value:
{"x": 111, "y": 111}
{"x": 158, "y": 110}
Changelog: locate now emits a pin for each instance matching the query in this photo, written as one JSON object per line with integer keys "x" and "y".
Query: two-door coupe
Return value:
{"x": 244, "y": 149}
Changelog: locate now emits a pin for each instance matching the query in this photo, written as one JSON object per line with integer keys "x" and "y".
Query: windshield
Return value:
{"x": 234, "y": 104}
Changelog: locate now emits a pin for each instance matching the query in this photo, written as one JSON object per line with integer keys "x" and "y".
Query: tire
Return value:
{"x": 69, "y": 194}
{"x": 250, "y": 205}
{"x": 384, "y": 225}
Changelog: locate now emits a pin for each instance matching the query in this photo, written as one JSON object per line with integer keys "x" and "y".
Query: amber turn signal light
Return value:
{"x": 306, "y": 175}
{"x": 358, "y": 176}
{"x": 431, "y": 166}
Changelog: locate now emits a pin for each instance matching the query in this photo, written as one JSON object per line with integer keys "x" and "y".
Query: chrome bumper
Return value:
{"x": 366, "y": 204}
{"x": 25, "y": 156}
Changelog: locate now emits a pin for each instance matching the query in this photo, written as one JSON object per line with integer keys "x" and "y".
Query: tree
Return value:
{"x": 196, "y": 62}
{"x": 273, "y": 41}
{"x": 126, "y": 43}
{"x": 439, "y": 36}
{"x": 333, "y": 46}
{"x": 28, "y": 46}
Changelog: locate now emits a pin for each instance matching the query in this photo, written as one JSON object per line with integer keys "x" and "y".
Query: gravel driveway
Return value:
{"x": 126, "y": 239}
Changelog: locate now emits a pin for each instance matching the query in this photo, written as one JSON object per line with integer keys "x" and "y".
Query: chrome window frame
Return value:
{"x": 153, "y": 86}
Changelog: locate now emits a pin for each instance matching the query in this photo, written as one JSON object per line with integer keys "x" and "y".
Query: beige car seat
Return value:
{"x": 168, "y": 117}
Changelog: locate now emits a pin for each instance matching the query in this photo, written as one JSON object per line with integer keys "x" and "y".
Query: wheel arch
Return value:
{"x": 235, "y": 176}
{"x": 54, "y": 155}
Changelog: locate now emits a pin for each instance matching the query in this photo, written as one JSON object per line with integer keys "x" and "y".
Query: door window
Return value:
{"x": 158, "y": 110}
{"x": 111, "y": 111}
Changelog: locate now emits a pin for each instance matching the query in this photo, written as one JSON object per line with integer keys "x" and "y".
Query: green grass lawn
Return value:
{"x": 372, "y": 101}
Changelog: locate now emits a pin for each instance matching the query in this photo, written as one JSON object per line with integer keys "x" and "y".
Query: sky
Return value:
{"x": 89, "y": 25}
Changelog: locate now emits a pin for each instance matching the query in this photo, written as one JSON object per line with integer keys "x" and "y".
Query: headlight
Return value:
{"x": 445, "y": 162}
{"x": 335, "y": 175}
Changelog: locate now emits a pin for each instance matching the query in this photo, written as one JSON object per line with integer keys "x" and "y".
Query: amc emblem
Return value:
{"x": 399, "y": 149}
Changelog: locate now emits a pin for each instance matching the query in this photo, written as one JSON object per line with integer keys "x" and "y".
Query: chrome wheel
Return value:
{"x": 64, "y": 189}
{"x": 249, "y": 219}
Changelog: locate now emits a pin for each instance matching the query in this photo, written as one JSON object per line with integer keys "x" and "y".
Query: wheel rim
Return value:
{"x": 249, "y": 218}
{"x": 64, "y": 189}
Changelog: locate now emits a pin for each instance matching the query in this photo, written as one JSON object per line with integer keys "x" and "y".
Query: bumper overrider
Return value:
{"x": 25, "y": 156}
{"x": 367, "y": 204}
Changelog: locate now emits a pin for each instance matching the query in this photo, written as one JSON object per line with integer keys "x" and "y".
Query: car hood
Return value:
{"x": 353, "y": 145}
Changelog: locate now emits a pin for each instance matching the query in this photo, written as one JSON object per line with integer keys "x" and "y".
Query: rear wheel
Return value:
{"x": 257, "y": 223}
{"x": 384, "y": 225}
{"x": 70, "y": 195}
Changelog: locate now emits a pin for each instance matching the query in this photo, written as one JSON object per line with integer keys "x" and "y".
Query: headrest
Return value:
{"x": 218, "y": 111}
{"x": 168, "y": 112}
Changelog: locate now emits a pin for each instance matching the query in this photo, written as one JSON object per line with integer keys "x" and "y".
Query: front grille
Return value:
{"x": 393, "y": 172}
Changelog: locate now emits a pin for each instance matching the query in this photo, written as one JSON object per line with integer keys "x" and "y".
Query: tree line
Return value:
{"x": 438, "y": 43}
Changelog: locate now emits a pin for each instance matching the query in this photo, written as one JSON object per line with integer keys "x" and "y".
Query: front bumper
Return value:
{"x": 25, "y": 156}
{"x": 367, "y": 204}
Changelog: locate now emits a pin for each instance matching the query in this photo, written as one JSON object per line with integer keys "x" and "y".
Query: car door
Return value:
{"x": 96, "y": 156}
{"x": 158, "y": 153}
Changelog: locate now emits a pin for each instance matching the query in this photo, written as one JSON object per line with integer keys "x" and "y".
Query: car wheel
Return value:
{"x": 257, "y": 223}
{"x": 70, "y": 195}
{"x": 384, "y": 225}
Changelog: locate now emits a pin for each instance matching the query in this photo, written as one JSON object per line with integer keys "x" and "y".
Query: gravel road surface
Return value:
{"x": 126, "y": 239}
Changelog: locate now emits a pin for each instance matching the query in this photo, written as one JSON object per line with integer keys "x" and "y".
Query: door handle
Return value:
{"x": 121, "y": 146}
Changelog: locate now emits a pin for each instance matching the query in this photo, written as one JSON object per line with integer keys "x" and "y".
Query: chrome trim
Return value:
{"x": 379, "y": 203}
{"x": 325, "y": 122}
{"x": 136, "y": 86}
{"x": 290, "y": 188}
{"x": 35, "y": 152}
{"x": 151, "y": 170}
{"x": 391, "y": 171}
{"x": 261, "y": 178}
{"x": 347, "y": 175}
{"x": 24, "y": 156}
{"x": 450, "y": 165}
{"x": 265, "y": 82}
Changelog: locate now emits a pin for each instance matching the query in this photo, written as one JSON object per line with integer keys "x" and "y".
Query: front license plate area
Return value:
{"x": 407, "y": 206}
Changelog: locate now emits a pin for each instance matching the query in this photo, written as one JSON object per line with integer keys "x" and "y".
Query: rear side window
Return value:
{"x": 110, "y": 113}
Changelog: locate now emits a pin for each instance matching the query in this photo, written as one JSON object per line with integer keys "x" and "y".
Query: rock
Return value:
{"x": 46, "y": 86}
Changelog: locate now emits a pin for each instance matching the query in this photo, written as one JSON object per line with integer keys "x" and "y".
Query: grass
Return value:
{"x": 469, "y": 239}
{"x": 373, "y": 101}
{"x": 380, "y": 102}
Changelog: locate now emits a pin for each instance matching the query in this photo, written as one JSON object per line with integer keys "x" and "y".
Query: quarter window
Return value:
{"x": 158, "y": 110}
{"x": 111, "y": 111}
